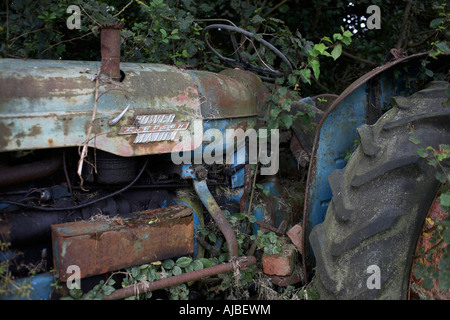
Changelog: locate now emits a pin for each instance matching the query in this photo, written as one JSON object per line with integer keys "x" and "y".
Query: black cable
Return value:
{"x": 80, "y": 205}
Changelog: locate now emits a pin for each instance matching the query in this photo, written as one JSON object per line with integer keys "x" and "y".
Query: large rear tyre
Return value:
{"x": 365, "y": 246}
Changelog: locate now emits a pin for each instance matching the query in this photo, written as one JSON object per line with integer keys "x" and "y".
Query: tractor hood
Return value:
{"x": 49, "y": 104}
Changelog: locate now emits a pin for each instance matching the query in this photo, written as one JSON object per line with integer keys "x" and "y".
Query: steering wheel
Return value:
{"x": 239, "y": 61}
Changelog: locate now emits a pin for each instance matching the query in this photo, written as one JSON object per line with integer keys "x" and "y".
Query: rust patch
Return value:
{"x": 35, "y": 130}
{"x": 30, "y": 87}
{"x": 5, "y": 134}
{"x": 225, "y": 97}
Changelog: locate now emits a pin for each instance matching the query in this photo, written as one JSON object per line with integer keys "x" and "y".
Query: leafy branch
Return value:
{"x": 287, "y": 91}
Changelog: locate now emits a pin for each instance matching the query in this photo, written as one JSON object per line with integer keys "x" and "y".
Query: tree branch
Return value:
{"x": 273, "y": 9}
{"x": 85, "y": 144}
{"x": 129, "y": 3}
{"x": 345, "y": 53}
{"x": 68, "y": 40}
{"x": 404, "y": 24}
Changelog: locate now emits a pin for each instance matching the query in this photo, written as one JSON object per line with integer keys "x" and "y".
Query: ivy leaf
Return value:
{"x": 443, "y": 46}
{"x": 444, "y": 199}
{"x": 441, "y": 177}
{"x": 315, "y": 65}
{"x": 168, "y": 264}
{"x": 134, "y": 272}
{"x": 347, "y": 34}
{"x": 285, "y": 120}
{"x": 185, "y": 54}
{"x": 274, "y": 112}
{"x": 212, "y": 237}
{"x": 428, "y": 72}
{"x": 240, "y": 216}
{"x": 422, "y": 153}
{"x": 197, "y": 265}
{"x": 252, "y": 219}
{"x": 320, "y": 47}
{"x": 183, "y": 262}
{"x": 436, "y": 22}
{"x": 414, "y": 140}
{"x": 206, "y": 262}
{"x": 177, "y": 271}
{"x": 327, "y": 39}
{"x": 292, "y": 80}
{"x": 337, "y": 51}
{"x": 282, "y": 91}
{"x": 306, "y": 74}
{"x": 337, "y": 36}
{"x": 286, "y": 104}
{"x": 257, "y": 19}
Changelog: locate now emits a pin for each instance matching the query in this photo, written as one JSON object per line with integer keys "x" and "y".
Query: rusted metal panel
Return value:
{"x": 98, "y": 247}
{"x": 230, "y": 94}
{"x": 49, "y": 104}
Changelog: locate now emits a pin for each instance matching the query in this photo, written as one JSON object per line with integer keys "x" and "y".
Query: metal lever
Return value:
{"x": 116, "y": 119}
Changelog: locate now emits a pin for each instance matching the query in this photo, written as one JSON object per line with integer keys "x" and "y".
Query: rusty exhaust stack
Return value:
{"x": 110, "y": 49}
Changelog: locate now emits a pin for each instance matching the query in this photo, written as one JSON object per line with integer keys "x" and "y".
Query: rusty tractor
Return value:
{"x": 93, "y": 156}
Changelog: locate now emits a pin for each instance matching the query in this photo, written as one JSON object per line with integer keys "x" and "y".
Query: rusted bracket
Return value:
{"x": 216, "y": 213}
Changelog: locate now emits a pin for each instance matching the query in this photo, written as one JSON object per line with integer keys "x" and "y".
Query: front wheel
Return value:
{"x": 364, "y": 247}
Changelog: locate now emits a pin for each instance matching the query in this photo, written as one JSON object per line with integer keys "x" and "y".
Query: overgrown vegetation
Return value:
{"x": 312, "y": 34}
{"x": 433, "y": 262}
{"x": 432, "y": 265}
{"x": 237, "y": 284}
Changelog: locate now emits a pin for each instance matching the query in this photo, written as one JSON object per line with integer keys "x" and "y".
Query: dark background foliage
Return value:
{"x": 168, "y": 31}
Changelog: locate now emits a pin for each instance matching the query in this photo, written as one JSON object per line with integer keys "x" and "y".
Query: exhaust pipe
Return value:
{"x": 30, "y": 171}
{"x": 110, "y": 49}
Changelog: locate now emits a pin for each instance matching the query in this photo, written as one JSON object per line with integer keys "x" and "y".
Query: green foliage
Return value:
{"x": 356, "y": 143}
{"x": 8, "y": 285}
{"x": 268, "y": 241}
{"x": 146, "y": 272}
{"x": 436, "y": 159}
{"x": 440, "y": 25}
{"x": 438, "y": 47}
{"x": 306, "y": 68}
{"x": 439, "y": 230}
